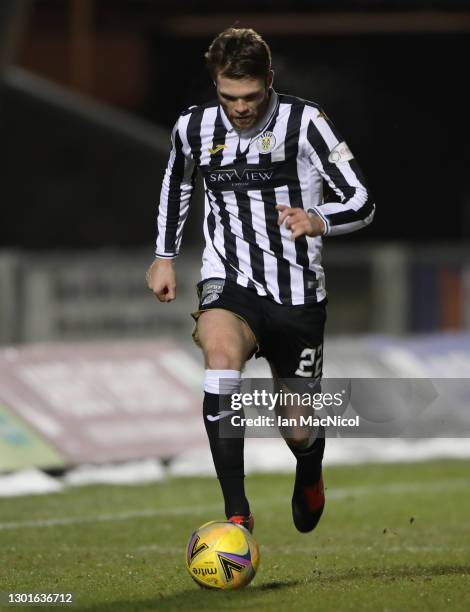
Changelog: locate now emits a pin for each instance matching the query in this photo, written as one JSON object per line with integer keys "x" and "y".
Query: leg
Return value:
{"x": 297, "y": 437}
{"x": 307, "y": 446}
{"x": 300, "y": 336}
{"x": 227, "y": 342}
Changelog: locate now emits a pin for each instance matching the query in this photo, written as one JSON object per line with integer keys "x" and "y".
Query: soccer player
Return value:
{"x": 264, "y": 157}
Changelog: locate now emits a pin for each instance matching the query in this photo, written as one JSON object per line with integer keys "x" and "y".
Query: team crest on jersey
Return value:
{"x": 266, "y": 142}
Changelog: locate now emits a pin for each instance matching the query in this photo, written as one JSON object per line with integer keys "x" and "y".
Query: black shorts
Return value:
{"x": 289, "y": 337}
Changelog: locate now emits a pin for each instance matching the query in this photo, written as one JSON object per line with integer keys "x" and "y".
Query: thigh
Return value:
{"x": 221, "y": 331}
{"x": 228, "y": 320}
{"x": 294, "y": 340}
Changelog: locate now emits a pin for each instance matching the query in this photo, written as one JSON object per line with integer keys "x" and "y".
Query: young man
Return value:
{"x": 264, "y": 157}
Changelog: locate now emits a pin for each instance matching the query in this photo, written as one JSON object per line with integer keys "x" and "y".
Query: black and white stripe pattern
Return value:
{"x": 243, "y": 185}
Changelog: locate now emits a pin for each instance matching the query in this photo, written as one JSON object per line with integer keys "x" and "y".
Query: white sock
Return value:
{"x": 222, "y": 382}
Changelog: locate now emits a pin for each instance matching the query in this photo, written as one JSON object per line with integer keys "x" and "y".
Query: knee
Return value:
{"x": 298, "y": 442}
{"x": 218, "y": 358}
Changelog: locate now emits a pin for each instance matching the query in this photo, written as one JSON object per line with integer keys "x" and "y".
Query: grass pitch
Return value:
{"x": 393, "y": 537}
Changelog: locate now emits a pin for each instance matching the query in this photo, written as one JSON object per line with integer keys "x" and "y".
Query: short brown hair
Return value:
{"x": 238, "y": 53}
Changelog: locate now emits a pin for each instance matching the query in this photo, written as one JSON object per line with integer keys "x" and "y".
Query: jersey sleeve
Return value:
{"x": 333, "y": 159}
{"x": 177, "y": 187}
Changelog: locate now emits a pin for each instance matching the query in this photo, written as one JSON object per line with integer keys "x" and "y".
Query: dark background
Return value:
{"x": 398, "y": 97}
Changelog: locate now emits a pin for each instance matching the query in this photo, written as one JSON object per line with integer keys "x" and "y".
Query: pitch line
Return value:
{"x": 335, "y": 494}
{"x": 118, "y": 516}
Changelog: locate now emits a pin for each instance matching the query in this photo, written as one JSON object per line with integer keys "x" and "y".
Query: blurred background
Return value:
{"x": 89, "y": 91}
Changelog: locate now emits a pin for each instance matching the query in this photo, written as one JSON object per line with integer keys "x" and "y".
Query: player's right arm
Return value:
{"x": 177, "y": 187}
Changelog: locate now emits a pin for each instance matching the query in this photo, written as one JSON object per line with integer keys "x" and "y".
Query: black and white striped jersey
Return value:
{"x": 285, "y": 159}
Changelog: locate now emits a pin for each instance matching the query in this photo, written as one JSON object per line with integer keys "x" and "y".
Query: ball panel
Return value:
{"x": 254, "y": 552}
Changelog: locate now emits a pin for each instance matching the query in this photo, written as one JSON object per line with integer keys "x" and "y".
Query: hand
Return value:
{"x": 161, "y": 279}
{"x": 300, "y": 222}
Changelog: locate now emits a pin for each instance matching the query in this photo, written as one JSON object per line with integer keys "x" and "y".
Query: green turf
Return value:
{"x": 393, "y": 537}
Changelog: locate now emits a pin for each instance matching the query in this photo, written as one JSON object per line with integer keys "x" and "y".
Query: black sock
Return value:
{"x": 309, "y": 461}
{"x": 227, "y": 454}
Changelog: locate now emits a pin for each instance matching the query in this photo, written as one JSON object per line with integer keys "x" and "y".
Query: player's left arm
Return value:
{"x": 331, "y": 156}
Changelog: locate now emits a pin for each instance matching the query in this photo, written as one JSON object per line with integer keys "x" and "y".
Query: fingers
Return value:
{"x": 166, "y": 293}
{"x": 284, "y": 213}
{"x": 296, "y": 219}
{"x": 298, "y": 229}
{"x": 171, "y": 295}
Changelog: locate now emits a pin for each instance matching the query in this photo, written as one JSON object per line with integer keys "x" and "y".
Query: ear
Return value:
{"x": 270, "y": 79}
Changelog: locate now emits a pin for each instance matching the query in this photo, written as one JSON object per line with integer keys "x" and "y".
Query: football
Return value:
{"x": 222, "y": 555}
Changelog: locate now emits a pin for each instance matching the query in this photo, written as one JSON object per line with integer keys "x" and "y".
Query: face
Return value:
{"x": 243, "y": 100}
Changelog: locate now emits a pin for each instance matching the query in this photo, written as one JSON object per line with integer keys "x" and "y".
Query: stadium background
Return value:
{"x": 99, "y": 382}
